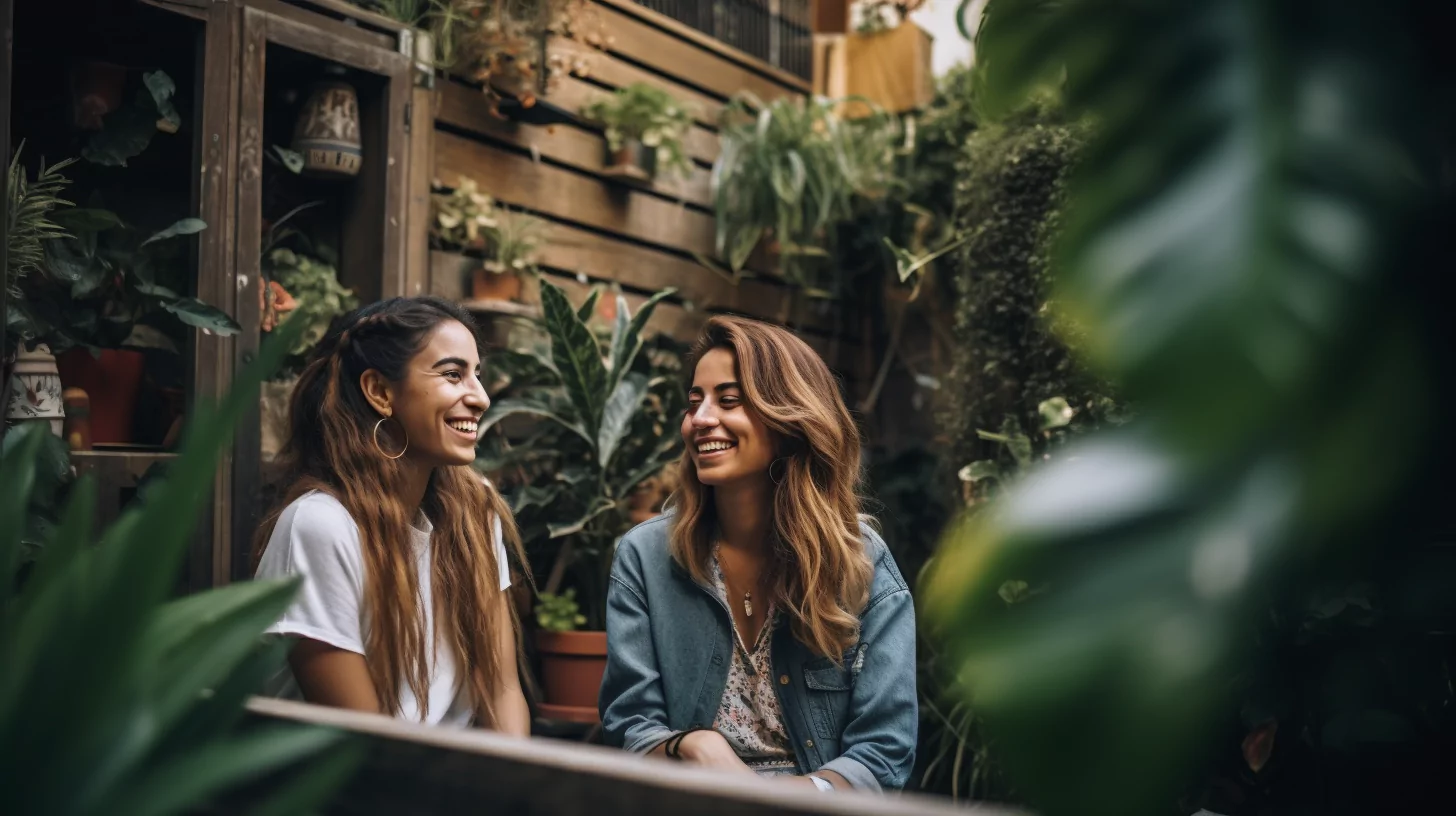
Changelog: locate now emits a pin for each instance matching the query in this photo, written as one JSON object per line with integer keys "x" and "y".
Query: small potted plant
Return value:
{"x": 468, "y": 221}
{"x": 645, "y": 129}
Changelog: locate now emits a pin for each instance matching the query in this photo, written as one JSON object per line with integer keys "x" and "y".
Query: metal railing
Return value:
{"x": 778, "y": 32}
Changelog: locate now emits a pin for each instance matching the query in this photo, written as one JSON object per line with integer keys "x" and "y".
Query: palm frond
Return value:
{"x": 28, "y": 224}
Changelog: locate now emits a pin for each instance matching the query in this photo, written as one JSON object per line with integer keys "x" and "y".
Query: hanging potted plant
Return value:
{"x": 502, "y": 46}
{"x": 470, "y": 222}
{"x": 789, "y": 171}
{"x": 575, "y": 488}
{"x": 645, "y": 128}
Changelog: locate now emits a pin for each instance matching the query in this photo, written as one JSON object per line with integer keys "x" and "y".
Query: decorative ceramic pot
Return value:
{"x": 35, "y": 390}
{"x": 327, "y": 132}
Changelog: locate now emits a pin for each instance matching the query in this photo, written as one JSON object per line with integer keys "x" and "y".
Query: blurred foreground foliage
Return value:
{"x": 1243, "y": 599}
{"x": 113, "y": 698}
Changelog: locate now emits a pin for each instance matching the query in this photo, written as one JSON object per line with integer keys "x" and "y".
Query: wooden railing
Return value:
{"x": 419, "y": 769}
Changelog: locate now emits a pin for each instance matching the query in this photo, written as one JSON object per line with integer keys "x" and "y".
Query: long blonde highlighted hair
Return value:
{"x": 331, "y": 449}
{"x": 822, "y": 572}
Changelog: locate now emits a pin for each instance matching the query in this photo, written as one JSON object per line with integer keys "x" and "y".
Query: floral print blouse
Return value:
{"x": 749, "y": 715}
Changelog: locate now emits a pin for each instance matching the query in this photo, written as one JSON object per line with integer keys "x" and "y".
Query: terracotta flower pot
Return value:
{"x": 487, "y": 285}
{"x": 635, "y": 162}
{"x": 111, "y": 382}
{"x": 572, "y": 664}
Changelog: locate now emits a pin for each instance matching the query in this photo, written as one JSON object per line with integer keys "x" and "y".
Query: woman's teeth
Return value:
{"x": 464, "y": 425}
{"x": 709, "y": 447}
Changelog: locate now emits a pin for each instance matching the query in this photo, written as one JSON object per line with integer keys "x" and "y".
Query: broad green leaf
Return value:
{"x": 177, "y": 786}
{"x": 195, "y": 313}
{"x": 186, "y": 226}
{"x": 577, "y": 358}
{"x": 205, "y": 638}
{"x": 599, "y": 506}
{"x": 18, "y": 469}
{"x": 308, "y": 789}
{"x": 536, "y": 407}
{"x": 84, "y": 219}
{"x": 589, "y": 306}
{"x": 621, "y": 408}
{"x": 162, "y": 88}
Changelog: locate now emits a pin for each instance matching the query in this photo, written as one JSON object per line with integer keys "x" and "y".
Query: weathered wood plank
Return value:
{"x": 640, "y": 42}
{"x": 421, "y": 172}
{"x": 462, "y": 106}
{"x": 216, "y": 280}
{"x": 572, "y": 196}
{"x": 421, "y": 769}
{"x": 698, "y": 38}
{"x": 619, "y": 73}
{"x": 572, "y": 94}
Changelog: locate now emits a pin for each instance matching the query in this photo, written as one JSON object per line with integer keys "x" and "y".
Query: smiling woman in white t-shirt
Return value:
{"x": 401, "y": 544}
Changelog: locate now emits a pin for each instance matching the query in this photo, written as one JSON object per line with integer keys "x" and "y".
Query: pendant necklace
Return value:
{"x": 748, "y": 604}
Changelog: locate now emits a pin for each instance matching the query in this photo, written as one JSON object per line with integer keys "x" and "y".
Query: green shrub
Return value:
{"x": 1009, "y": 356}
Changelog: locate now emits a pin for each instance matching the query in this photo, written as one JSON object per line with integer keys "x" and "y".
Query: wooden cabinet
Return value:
{"x": 240, "y": 65}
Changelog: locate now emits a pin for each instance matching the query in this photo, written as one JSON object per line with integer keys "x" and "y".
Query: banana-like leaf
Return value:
{"x": 535, "y": 407}
{"x": 577, "y": 357}
{"x": 627, "y": 340}
{"x": 624, "y": 404}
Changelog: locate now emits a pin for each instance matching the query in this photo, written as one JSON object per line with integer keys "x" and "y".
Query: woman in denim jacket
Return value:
{"x": 760, "y": 626}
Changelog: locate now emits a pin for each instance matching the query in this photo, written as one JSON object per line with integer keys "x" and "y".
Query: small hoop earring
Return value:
{"x": 380, "y": 448}
{"x": 780, "y": 479}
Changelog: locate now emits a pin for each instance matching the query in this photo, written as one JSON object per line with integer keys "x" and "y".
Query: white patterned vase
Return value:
{"x": 35, "y": 390}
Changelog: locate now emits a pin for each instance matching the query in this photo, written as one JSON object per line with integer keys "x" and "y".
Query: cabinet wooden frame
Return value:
{"x": 373, "y": 247}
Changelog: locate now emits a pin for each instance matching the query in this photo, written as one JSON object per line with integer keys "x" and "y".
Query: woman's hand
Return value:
{"x": 711, "y": 750}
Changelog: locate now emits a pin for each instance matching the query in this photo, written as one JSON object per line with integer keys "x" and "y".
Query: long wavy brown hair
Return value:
{"x": 822, "y": 573}
{"x": 331, "y": 449}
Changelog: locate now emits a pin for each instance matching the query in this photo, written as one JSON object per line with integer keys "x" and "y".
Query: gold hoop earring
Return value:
{"x": 779, "y": 480}
{"x": 380, "y": 448}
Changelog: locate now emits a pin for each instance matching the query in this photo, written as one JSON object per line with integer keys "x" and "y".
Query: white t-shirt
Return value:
{"x": 317, "y": 538}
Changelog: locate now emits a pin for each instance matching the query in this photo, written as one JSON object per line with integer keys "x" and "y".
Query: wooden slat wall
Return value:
{"x": 642, "y": 238}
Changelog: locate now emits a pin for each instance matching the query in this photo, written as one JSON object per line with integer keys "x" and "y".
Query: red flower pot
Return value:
{"x": 112, "y": 382}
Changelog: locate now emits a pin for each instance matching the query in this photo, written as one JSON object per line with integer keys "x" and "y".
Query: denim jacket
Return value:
{"x": 670, "y": 641}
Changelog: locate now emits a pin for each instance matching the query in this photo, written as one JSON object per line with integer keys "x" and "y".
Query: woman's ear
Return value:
{"x": 378, "y": 392}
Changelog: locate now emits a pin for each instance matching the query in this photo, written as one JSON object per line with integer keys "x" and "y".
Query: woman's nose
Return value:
{"x": 476, "y": 397}
{"x": 704, "y": 416}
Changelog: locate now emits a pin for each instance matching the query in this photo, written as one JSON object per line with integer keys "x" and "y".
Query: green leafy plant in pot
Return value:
{"x": 574, "y": 480}
{"x": 789, "y": 171}
{"x": 105, "y": 291}
{"x": 645, "y": 127}
{"x": 467, "y": 221}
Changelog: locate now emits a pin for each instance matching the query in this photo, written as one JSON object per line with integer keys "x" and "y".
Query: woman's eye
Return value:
{"x": 728, "y": 402}
{"x": 453, "y": 376}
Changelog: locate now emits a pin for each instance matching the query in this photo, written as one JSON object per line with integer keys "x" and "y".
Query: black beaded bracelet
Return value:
{"x": 673, "y": 747}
